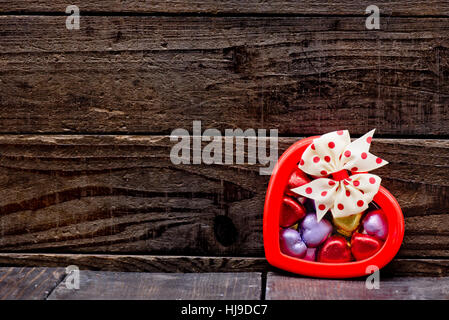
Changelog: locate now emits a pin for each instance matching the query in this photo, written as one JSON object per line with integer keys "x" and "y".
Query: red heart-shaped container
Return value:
{"x": 287, "y": 163}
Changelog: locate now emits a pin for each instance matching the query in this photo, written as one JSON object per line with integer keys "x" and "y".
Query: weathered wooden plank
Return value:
{"x": 28, "y": 283}
{"x": 413, "y": 7}
{"x": 281, "y": 287}
{"x": 175, "y": 264}
{"x": 301, "y": 75}
{"x": 138, "y": 263}
{"x": 96, "y": 285}
{"x": 417, "y": 268}
{"x": 122, "y": 194}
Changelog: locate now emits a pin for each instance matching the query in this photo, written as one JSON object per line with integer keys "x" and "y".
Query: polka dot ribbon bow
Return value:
{"x": 328, "y": 158}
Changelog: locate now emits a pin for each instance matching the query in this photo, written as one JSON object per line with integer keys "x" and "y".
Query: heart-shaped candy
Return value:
{"x": 335, "y": 249}
{"x": 364, "y": 246}
{"x": 347, "y": 225}
{"x": 375, "y": 224}
{"x": 297, "y": 179}
{"x": 315, "y": 233}
{"x": 292, "y": 244}
{"x": 291, "y": 212}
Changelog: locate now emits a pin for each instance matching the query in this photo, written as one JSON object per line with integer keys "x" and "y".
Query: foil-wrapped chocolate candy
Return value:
{"x": 347, "y": 225}
{"x": 292, "y": 244}
{"x": 335, "y": 249}
{"x": 375, "y": 224}
{"x": 315, "y": 233}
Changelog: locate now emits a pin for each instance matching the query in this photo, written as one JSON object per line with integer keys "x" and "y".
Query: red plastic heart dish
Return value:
{"x": 286, "y": 165}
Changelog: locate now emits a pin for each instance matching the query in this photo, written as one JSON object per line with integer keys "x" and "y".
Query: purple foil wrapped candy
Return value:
{"x": 375, "y": 224}
{"x": 292, "y": 244}
{"x": 315, "y": 233}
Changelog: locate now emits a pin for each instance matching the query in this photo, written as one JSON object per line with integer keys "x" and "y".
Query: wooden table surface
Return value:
{"x": 50, "y": 283}
{"x": 86, "y": 117}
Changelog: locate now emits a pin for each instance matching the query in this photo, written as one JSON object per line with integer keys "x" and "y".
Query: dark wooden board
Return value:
{"x": 417, "y": 268}
{"x": 138, "y": 263}
{"x": 28, "y": 283}
{"x": 301, "y": 75}
{"x": 175, "y": 264}
{"x": 353, "y": 7}
{"x": 122, "y": 194}
{"x": 281, "y": 287}
{"x": 162, "y": 286}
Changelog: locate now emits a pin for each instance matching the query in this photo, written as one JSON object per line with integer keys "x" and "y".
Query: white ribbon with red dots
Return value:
{"x": 328, "y": 158}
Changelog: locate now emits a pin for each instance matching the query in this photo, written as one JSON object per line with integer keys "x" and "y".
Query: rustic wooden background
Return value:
{"x": 85, "y": 119}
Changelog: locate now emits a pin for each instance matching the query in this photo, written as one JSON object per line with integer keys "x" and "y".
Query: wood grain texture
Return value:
{"x": 176, "y": 264}
{"x": 417, "y": 268}
{"x": 122, "y": 194}
{"x": 28, "y": 283}
{"x": 353, "y": 7}
{"x": 281, "y": 287}
{"x": 301, "y": 75}
{"x": 162, "y": 286}
{"x": 138, "y": 263}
